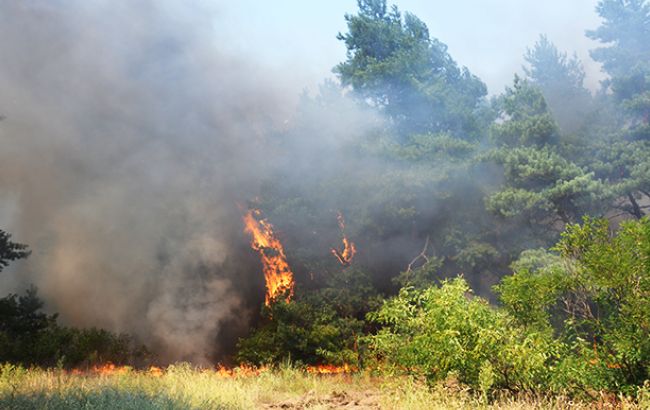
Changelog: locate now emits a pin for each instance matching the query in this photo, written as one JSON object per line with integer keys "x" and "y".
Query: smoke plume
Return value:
{"x": 127, "y": 141}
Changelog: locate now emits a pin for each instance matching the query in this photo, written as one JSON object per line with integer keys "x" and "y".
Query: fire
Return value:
{"x": 330, "y": 369}
{"x": 109, "y": 369}
{"x": 240, "y": 371}
{"x": 156, "y": 371}
{"x": 278, "y": 275}
{"x": 349, "y": 250}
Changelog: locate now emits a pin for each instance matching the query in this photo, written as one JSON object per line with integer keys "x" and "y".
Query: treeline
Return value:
{"x": 454, "y": 182}
{"x": 31, "y": 337}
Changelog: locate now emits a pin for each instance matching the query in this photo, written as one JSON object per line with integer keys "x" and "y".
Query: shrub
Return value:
{"x": 444, "y": 331}
{"x": 595, "y": 294}
{"x": 29, "y": 337}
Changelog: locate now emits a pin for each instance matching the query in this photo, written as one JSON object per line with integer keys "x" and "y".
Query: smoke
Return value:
{"x": 127, "y": 141}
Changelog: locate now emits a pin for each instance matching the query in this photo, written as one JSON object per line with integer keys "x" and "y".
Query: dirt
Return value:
{"x": 361, "y": 400}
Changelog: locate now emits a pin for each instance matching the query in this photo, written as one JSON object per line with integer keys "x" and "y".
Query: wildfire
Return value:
{"x": 156, "y": 371}
{"x": 278, "y": 275}
{"x": 349, "y": 250}
{"x": 242, "y": 371}
{"x": 330, "y": 369}
{"x": 110, "y": 369}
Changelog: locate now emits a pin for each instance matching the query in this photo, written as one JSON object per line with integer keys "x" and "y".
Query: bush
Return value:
{"x": 316, "y": 328}
{"x": 575, "y": 320}
{"x": 301, "y": 332}
{"x": 442, "y": 332}
{"x": 30, "y": 337}
{"x": 595, "y": 294}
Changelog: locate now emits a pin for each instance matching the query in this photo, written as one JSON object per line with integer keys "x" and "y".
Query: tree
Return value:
{"x": 393, "y": 63}
{"x": 28, "y": 336}
{"x": 625, "y": 166}
{"x": 540, "y": 182}
{"x": 545, "y": 188}
{"x": 525, "y": 119}
{"x": 561, "y": 80}
{"x": 626, "y": 30}
{"x": 10, "y": 251}
{"x": 626, "y": 27}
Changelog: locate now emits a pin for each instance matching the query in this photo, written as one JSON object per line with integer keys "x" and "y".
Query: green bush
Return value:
{"x": 29, "y": 336}
{"x": 442, "y": 332}
{"x": 575, "y": 320}
{"x": 301, "y": 332}
{"x": 319, "y": 327}
{"x": 595, "y": 294}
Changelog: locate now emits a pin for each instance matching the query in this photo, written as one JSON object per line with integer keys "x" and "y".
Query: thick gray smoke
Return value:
{"x": 127, "y": 141}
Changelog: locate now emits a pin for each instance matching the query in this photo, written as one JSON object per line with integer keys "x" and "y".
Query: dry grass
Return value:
{"x": 183, "y": 387}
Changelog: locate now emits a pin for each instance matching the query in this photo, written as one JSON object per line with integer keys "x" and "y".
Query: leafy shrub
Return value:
{"x": 595, "y": 294}
{"x": 575, "y": 320}
{"x": 317, "y": 328}
{"x": 442, "y": 332}
{"x": 301, "y": 332}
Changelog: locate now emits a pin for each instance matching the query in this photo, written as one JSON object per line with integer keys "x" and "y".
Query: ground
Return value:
{"x": 184, "y": 387}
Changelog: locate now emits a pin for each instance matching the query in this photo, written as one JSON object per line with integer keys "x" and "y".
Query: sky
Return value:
{"x": 297, "y": 38}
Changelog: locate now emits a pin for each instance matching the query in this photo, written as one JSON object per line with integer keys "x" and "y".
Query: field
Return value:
{"x": 183, "y": 387}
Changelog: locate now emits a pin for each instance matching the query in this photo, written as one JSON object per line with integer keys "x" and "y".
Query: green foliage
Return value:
{"x": 320, "y": 327}
{"x": 525, "y": 118}
{"x": 392, "y": 61}
{"x": 539, "y": 276}
{"x": 445, "y": 331}
{"x": 10, "y": 251}
{"x": 573, "y": 321}
{"x": 560, "y": 79}
{"x": 550, "y": 68}
{"x": 625, "y": 28}
{"x": 626, "y": 31}
{"x": 422, "y": 276}
{"x": 301, "y": 332}
{"x": 595, "y": 295}
{"x": 543, "y": 186}
{"x": 609, "y": 299}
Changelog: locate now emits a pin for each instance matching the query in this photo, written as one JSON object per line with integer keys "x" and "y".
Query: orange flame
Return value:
{"x": 156, "y": 371}
{"x": 349, "y": 250}
{"x": 330, "y": 369}
{"x": 240, "y": 371}
{"x": 278, "y": 275}
{"x": 109, "y": 369}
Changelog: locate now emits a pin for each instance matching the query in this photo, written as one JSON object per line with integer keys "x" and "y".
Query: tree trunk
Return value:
{"x": 636, "y": 209}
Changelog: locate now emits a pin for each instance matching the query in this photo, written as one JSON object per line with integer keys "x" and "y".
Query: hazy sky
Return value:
{"x": 488, "y": 36}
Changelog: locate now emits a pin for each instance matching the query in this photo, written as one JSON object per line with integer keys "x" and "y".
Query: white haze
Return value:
{"x": 128, "y": 140}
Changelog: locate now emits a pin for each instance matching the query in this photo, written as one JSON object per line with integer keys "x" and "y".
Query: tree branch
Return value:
{"x": 421, "y": 255}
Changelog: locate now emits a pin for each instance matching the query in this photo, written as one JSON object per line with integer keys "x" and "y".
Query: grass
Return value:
{"x": 184, "y": 387}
